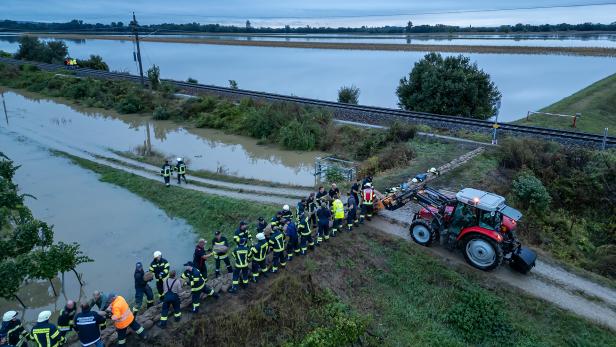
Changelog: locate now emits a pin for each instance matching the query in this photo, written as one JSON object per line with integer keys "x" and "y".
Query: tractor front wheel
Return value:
{"x": 482, "y": 252}
{"x": 422, "y": 233}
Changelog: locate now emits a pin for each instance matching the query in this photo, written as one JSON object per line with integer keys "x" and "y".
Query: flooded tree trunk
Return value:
{"x": 148, "y": 142}
{"x": 78, "y": 277}
{"x": 19, "y": 300}
{"x": 53, "y": 288}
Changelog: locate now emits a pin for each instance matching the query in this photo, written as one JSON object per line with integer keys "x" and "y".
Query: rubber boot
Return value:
{"x": 232, "y": 290}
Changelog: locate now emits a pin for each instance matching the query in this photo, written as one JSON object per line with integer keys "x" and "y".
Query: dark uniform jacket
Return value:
{"x": 194, "y": 278}
{"x": 259, "y": 251}
{"x": 14, "y": 331}
{"x": 140, "y": 283}
{"x": 65, "y": 320}
{"x": 160, "y": 268}
{"x": 87, "y": 325}
{"x": 46, "y": 334}
{"x": 241, "y": 254}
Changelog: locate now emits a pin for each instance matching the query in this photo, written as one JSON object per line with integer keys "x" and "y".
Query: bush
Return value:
{"x": 395, "y": 156}
{"x": 479, "y": 316}
{"x": 295, "y": 135}
{"x": 344, "y": 329}
{"x": 450, "y": 85}
{"x": 154, "y": 77}
{"x": 334, "y": 174}
{"x": 161, "y": 113}
{"x": 233, "y": 84}
{"x": 348, "y": 95}
{"x": 94, "y": 62}
{"x": 401, "y": 132}
{"x": 192, "y": 80}
{"x": 31, "y": 48}
{"x": 530, "y": 193}
{"x": 130, "y": 103}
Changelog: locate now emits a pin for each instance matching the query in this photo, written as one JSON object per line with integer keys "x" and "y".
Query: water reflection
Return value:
{"x": 205, "y": 149}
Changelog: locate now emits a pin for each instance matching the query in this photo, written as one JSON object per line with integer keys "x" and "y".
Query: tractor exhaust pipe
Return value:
{"x": 523, "y": 259}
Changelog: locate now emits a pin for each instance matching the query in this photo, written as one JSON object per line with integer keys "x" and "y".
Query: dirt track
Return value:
{"x": 548, "y": 282}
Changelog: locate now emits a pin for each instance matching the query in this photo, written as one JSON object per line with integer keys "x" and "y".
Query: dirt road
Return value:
{"x": 548, "y": 282}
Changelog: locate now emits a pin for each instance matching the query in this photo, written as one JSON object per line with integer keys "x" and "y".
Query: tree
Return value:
{"x": 530, "y": 193}
{"x": 233, "y": 84}
{"x": 95, "y": 62}
{"x": 27, "y": 250}
{"x": 56, "y": 51}
{"x": 451, "y": 85}
{"x": 409, "y": 27}
{"x": 154, "y": 77}
{"x": 31, "y": 48}
{"x": 348, "y": 95}
{"x": 248, "y": 26}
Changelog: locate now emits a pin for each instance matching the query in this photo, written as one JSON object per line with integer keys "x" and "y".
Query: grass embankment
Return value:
{"x": 363, "y": 286}
{"x": 596, "y": 103}
{"x": 288, "y": 125}
{"x": 584, "y": 51}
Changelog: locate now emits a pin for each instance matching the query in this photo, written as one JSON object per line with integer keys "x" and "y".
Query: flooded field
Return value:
{"x": 113, "y": 226}
{"x": 57, "y": 125}
{"x": 527, "y": 82}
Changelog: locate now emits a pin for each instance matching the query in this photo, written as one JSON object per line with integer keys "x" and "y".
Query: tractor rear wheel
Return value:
{"x": 422, "y": 233}
{"x": 482, "y": 252}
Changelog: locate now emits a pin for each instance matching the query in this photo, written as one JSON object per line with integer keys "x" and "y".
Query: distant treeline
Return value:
{"x": 121, "y": 27}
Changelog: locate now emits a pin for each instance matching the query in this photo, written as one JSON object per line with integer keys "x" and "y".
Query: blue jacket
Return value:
{"x": 87, "y": 326}
{"x": 292, "y": 231}
{"x": 323, "y": 214}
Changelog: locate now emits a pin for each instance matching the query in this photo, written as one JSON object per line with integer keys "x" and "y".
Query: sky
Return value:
{"x": 314, "y": 12}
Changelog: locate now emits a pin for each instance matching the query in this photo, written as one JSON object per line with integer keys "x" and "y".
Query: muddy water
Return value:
{"x": 205, "y": 149}
{"x": 113, "y": 226}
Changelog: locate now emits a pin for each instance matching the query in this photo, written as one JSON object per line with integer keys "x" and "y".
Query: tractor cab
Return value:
{"x": 489, "y": 210}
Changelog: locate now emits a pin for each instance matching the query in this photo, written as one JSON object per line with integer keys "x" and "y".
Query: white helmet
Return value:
{"x": 9, "y": 316}
{"x": 432, "y": 170}
{"x": 179, "y": 159}
{"x": 369, "y": 185}
{"x": 414, "y": 180}
{"x": 157, "y": 254}
{"x": 260, "y": 236}
{"x": 43, "y": 316}
{"x": 285, "y": 207}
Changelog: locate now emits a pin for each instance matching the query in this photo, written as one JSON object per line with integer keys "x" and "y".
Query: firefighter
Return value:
{"x": 141, "y": 288}
{"x": 172, "y": 288}
{"x": 261, "y": 225}
{"x": 220, "y": 240}
{"x": 323, "y": 217}
{"x": 322, "y": 196}
{"x": 160, "y": 268}
{"x": 276, "y": 241}
{"x": 312, "y": 209}
{"x": 286, "y": 212}
{"x": 334, "y": 192}
{"x": 197, "y": 285}
{"x": 200, "y": 257}
{"x": 290, "y": 230}
{"x": 66, "y": 320}
{"x": 87, "y": 326}
{"x": 100, "y": 300}
{"x": 351, "y": 211}
{"x": 275, "y": 221}
{"x": 123, "y": 318}
{"x": 338, "y": 214}
{"x": 165, "y": 171}
{"x": 44, "y": 333}
{"x": 241, "y": 255}
{"x": 367, "y": 196}
{"x": 301, "y": 207}
{"x": 258, "y": 252}
{"x": 355, "y": 190}
{"x": 306, "y": 240}
{"x": 180, "y": 168}
{"x": 16, "y": 335}
{"x": 242, "y": 233}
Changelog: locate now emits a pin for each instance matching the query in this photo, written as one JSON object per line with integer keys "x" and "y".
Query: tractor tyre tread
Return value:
{"x": 433, "y": 235}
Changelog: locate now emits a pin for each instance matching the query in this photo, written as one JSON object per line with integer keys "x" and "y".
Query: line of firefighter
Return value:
{"x": 167, "y": 170}
{"x": 318, "y": 210}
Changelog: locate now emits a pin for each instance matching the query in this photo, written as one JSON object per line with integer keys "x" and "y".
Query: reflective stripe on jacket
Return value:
{"x": 338, "y": 209}
{"x": 121, "y": 313}
{"x": 367, "y": 196}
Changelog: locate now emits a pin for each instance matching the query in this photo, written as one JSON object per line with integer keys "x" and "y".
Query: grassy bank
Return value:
{"x": 596, "y": 103}
{"x": 363, "y": 287}
{"x": 583, "y": 51}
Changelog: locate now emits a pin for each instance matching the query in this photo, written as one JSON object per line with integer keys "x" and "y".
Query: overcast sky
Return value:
{"x": 312, "y": 12}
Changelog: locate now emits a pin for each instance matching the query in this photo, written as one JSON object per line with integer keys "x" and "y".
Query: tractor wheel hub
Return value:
{"x": 480, "y": 252}
{"x": 421, "y": 234}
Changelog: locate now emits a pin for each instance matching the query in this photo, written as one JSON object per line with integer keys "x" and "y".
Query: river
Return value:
{"x": 527, "y": 82}
{"x": 113, "y": 226}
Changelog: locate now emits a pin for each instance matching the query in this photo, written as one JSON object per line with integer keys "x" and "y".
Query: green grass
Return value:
{"x": 596, "y": 103}
{"x": 477, "y": 173}
{"x": 430, "y": 153}
{"x": 417, "y": 298}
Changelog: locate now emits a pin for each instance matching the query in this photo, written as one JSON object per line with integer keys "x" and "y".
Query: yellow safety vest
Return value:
{"x": 338, "y": 209}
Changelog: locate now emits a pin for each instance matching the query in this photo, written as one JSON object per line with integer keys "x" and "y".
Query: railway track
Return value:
{"x": 366, "y": 113}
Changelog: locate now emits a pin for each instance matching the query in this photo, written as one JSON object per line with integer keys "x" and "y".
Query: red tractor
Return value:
{"x": 477, "y": 222}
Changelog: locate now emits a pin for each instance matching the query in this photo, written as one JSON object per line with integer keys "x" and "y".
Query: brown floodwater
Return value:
{"x": 97, "y": 131}
{"x": 113, "y": 226}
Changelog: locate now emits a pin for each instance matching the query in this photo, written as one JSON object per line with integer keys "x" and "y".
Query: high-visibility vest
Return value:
{"x": 338, "y": 209}
{"x": 368, "y": 196}
{"x": 166, "y": 171}
{"x": 182, "y": 169}
{"x": 122, "y": 314}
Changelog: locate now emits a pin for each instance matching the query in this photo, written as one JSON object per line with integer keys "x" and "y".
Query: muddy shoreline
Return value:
{"x": 578, "y": 51}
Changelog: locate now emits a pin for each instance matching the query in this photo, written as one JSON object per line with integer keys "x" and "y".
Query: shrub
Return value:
{"x": 344, "y": 329}
{"x": 348, "y": 95}
{"x": 192, "y": 80}
{"x": 94, "y": 62}
{"x": 334, "y": 174}
{"x": 477, "y": 315}
{"x": 130, "y": 103}
{"x": 161, "y": 113}
{"x": 530, "y": 193}
{"x": 154, "y": 77}
{"x": 233, "y": 84}
{"x": 295, "y": 135}
{"x": 395, "y": 156}
{"x": 401, "y": 132}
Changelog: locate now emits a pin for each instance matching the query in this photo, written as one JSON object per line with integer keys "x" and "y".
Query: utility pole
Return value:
{"x": 6, "y": 114}
{"x": 138, "y": 49}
